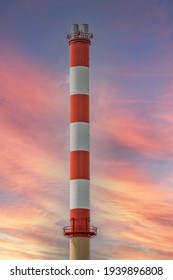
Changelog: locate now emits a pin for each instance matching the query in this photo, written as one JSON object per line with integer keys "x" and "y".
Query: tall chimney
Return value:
{"x": 79, "y": 232}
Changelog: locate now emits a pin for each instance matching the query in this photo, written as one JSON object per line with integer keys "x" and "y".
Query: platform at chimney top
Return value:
{"x": 79, "y": 31}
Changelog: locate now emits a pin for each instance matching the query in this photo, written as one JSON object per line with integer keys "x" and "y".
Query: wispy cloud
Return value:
{"x": 131, "y": 133}
{"x": 131, "y": 171}
{"x": 33, "y": 130}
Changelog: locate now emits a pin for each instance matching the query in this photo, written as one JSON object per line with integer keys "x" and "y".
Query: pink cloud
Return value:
{"x": 134, "y": 207}
{"x": 135, "y": 217}
{"x": 131, "y": 209}
{"x": 32, "y": 158}
{"x": 123, "y": 122}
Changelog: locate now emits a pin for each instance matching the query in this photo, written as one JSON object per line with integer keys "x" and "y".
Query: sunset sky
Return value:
{"x": 131, "y": 105}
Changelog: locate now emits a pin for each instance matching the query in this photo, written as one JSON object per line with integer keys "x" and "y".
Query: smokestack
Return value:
{"x": 79, "y": 232}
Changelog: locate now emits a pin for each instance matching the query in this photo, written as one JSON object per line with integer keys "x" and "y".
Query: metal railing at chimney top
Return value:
{"x": 80, "y": 35}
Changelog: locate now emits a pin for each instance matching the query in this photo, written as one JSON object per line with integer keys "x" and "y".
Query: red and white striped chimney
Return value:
{"x": 79, "y": 230}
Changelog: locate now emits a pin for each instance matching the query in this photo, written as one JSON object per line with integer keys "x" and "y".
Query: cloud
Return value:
{"x": 134, "y": 218}
{"x": 33, "y": 144}
{"x": 131, "y": 167}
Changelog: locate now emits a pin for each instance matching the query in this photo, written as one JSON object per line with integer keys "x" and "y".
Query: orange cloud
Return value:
{"x": 32, "y": 160}
{"x": 131, "y": 192}
{"x": 131, "y": 202}
{"x": 134, "y": 219}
